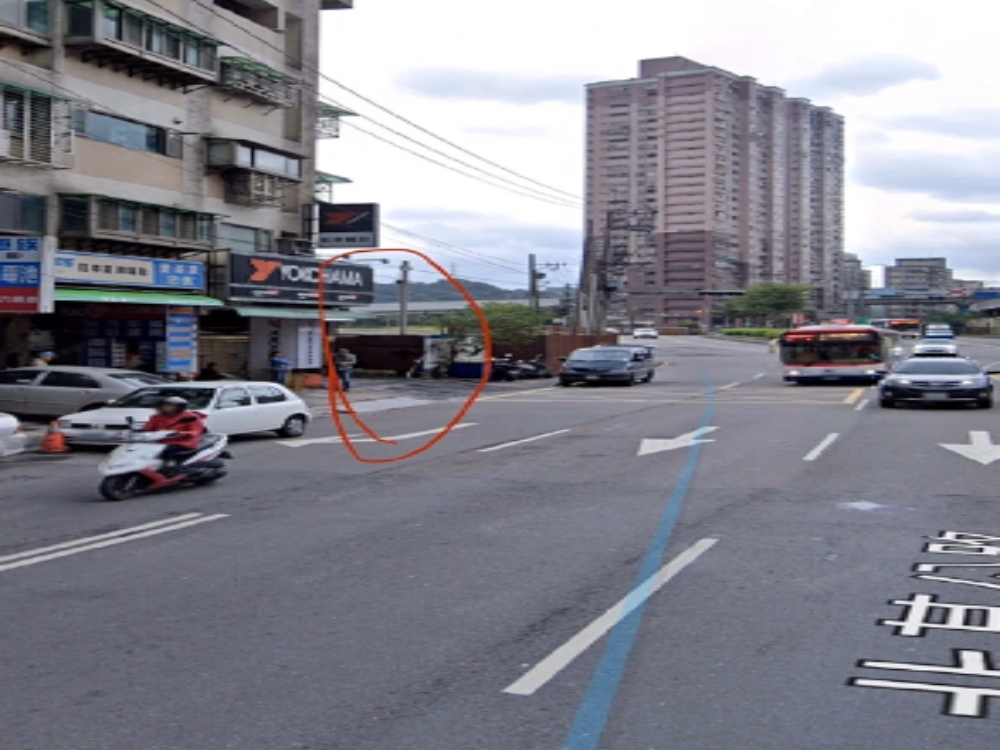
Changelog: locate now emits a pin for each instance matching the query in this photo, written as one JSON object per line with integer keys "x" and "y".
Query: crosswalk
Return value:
{"x": 730, "y": 394}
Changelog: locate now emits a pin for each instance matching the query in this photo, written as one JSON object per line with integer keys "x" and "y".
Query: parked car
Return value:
{"x": 60, "y": 389}
{"x": 12, "y": 437}
{"x": 940, "y": 379}
{"x": 232, "y": 408}
{"x": 645, "y": 333}
{"x": 644, "y": 349}
{"x": 607, "y": 364}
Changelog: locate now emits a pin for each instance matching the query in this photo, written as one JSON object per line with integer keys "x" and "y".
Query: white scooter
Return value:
{"x": 137, "y": 466}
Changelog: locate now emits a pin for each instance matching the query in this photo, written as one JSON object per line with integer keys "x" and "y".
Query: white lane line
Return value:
{"x": 727, "y": 387}
{"x": 519, "y": 442}
{"x": 562, "y": 657}
{"x": 111, "y": 542}
{"x": 759, "y": 375}
{"x": 359, "y": 438}
{"x": 862, "y": 404}
{"x": 824, "y": 444}
{"x": 100, "y": 537}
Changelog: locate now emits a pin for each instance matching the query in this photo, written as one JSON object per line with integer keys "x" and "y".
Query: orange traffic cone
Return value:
{"x": 54, "y": 442}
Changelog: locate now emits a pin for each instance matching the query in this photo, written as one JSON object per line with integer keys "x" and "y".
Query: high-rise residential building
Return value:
{"x": 915, "y": 275}
{"x": 746, "y": 185}
{"x": 167, "y": 146}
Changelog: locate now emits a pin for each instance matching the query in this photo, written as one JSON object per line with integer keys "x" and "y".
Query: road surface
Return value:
{"x": 714, "y": 561}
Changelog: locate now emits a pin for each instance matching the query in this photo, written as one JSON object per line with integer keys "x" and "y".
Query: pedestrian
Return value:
{"x": 210, "y": 372}
{"x": 44, "y": 359}
{"x": 345, "y": 362}
{"x": 280, "y": 367}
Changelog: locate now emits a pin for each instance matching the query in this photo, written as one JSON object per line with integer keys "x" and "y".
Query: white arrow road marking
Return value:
{"x": 32, "y": 557}
{"x": 656, "y": 445}
{"x": 358, "y": 439}
{"x": 980, "y": 448}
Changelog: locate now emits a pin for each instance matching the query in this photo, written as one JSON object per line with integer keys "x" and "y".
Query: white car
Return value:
{"x": 232, "y": 407}
{"x": 645, "y": 333}
{"x": 12, "y": 437}
{"x": 935, "y": 348}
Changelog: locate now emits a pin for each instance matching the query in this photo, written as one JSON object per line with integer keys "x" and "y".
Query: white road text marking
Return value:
{"x": 563, "y": 656}
{"x": 824, "y": 444}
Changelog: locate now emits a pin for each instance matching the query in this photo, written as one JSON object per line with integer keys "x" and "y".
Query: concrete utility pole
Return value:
{"x": 404, "y": 295}
{"x": 533, "y": 283}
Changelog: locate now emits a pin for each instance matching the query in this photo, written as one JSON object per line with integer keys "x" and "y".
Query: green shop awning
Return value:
{"x": 108, "y": 296}
{"x": 332, "y": 316}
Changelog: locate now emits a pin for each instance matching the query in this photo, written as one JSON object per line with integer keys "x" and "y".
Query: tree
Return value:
{"x": 774, "y": 300}
{"x": 509, "y": 323}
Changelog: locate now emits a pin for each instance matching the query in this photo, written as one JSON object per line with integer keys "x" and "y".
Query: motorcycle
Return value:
{"x": 505, "y": 370}
{"x": 137, "y": 466}
{"x": 533, "y": 369}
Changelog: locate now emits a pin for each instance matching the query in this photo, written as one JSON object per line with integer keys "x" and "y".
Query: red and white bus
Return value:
{"x": 908, "y": 328}
{"x": 832, "y": 353}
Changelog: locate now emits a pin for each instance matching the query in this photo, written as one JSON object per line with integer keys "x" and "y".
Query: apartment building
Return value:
{"x": 915, "y": 275}
{"x": 156, "y": 141}
{"x": 746, "y": 185}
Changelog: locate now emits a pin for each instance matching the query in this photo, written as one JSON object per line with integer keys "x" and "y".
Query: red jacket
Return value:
{"x": 191, "y": 431}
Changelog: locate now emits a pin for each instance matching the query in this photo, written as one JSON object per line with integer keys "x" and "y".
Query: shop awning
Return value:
{"x": 108, "y": 296}
{"x": 332, "y": 316}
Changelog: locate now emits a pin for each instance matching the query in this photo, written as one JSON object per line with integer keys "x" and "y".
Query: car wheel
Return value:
{"x": 631, "y": 381}
{"x": 649, "y": 378}
{"x": 985, "y": 403}
{"x": 887, "y": 403}
{"x": 294, "y": 427}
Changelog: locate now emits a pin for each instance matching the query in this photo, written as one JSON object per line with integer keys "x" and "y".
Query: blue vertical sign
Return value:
{"x": 25, "y": 275}
{"x": 182, "y": 340}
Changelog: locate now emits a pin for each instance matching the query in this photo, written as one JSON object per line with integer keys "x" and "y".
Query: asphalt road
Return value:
{"x": 562, "y": 593}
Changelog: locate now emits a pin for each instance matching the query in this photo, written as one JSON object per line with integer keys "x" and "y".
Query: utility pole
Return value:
{"x": 533, "y": 283}
{"x": 404, "y": 295}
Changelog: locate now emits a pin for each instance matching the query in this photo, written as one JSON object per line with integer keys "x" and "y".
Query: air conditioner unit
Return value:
{"x": 290, "y": 246}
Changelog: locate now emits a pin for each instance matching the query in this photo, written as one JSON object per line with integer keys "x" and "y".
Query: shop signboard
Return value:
{"x": 309, "y": 353}
{"x": 182, "y": 340}
{"x": 122, "y": 270}
{"x": 26, "y": 274}
{"x": 347, "y": 225}
{"x": 291, "y": 280}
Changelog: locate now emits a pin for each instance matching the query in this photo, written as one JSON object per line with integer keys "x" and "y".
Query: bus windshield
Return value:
{"x": 830, "y": 348}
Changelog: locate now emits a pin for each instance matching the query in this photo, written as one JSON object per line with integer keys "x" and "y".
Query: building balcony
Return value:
{"x": 254, "y": 175}
{"x": 36, "y": 128}
{"x": 23, "y": 213}
{"x": 25, "y": 23}
{"x": 110, "y": 34}
{"x": 328, "y": 119}
{"x": 242, "y": 76}
{"x": 101, "y": 222}
{"x": 325, "y": 183}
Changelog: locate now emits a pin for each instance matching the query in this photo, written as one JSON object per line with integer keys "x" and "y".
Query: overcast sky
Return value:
{"x": 914, "y": 78}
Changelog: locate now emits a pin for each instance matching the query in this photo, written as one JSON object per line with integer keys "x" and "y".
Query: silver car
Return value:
{"x": 937, "y": 379}
{"x": 935, "y": 348}
{"x": 64, "y": 389}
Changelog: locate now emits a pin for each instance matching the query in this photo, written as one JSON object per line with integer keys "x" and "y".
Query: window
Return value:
{"x": 267, "y": 394}
{"x": 32, "y": 15}
{"x": 233, "y": 397}
{"x": 114, "y": 215}
{"x": 18, "y": 377}
{"x": 223, "y": 153}
{"x": 69, "y": 380}
{"x": 22, "y": 212}
{"x": 128, "y": 134}
{"x": 246, "y": 239}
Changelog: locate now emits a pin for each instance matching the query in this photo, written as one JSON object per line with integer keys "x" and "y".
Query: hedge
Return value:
{"x": 758, "y": 333}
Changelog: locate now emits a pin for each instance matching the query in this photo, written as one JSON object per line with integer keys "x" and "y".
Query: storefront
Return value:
{"x": 272, "y": 307}
{"x": 123, "y": 311}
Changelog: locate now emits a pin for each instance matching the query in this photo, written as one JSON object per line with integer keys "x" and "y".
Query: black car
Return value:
{"x": 645, "y": 349}
{"x": 607, "y": 364}
{"x": 937, "y": 379}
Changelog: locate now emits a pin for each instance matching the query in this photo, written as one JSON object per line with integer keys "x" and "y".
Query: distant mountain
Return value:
{"x": 442, "y": 291}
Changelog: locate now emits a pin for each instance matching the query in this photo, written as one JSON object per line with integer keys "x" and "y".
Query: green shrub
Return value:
{"x": 757, "y": 333}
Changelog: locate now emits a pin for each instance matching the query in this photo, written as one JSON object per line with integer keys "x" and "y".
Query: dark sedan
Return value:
{"x": 605, "y": 364}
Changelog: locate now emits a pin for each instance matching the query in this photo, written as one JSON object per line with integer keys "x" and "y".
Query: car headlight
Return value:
{"x": 871, "y": 372}
{"x": 620, "y": 372}
{"x": 794, "y": 372}
{"x": 900, "y": 381}
{"x": 971, "y": 382}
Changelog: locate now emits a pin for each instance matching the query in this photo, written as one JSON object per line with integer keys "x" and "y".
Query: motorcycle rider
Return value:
{"x": 172, "y": 415}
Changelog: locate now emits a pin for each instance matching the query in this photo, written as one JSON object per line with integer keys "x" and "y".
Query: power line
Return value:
{"x": 489, "y": 260}
{"x": 324, "y": 76}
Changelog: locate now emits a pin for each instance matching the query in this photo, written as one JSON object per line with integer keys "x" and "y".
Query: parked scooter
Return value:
{"x": 534, "y": 368}
{"x": 137, "y": 466}
{"x": 505, "y": 369}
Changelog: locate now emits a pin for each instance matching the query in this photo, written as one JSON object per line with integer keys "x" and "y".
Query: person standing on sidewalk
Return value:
{"x": 345, "y": 362}
{"x": 280, "y": 367}
{"x": 44, "y": 359}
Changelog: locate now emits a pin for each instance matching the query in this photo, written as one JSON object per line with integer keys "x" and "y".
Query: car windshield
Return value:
{"x": 938, "y": 368}
{"x": 600, "y": 355}
{"x": 140, "y": 378}
{"x": 149, "y": 398}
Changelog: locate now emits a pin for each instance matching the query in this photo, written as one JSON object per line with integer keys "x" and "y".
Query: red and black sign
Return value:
{"x": 347, "y": 225}
{"x": 291, "y": 280}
